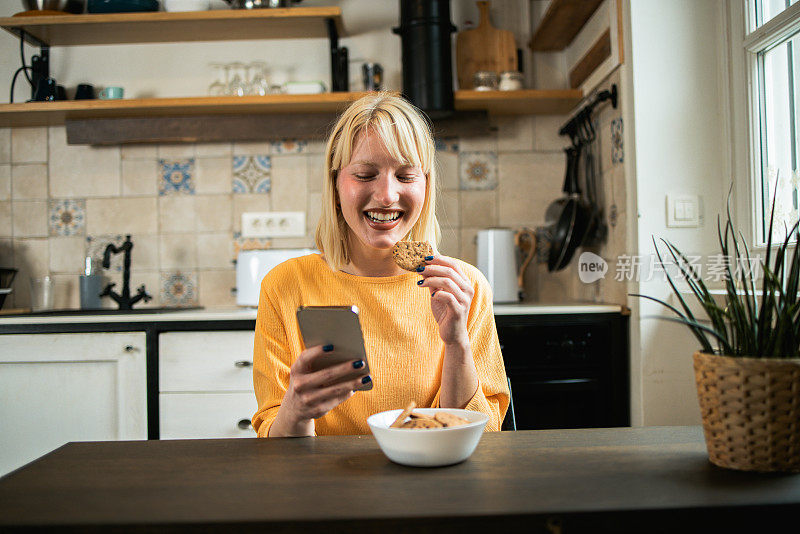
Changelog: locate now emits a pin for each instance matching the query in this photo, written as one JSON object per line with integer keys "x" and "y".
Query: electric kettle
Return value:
{"x": 497, "y": 260}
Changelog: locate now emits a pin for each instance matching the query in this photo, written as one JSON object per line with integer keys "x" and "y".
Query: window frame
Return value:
{"x": 745, "y": 101}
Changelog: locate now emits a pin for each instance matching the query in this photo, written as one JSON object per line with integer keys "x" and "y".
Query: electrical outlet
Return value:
{"x": 274, "y": 224}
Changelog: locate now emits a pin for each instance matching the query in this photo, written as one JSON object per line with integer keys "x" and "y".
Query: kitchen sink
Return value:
{"x": 104, "y": 311}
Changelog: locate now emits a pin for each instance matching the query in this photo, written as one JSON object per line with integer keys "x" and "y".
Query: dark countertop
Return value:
{"x": 622, "y": 480}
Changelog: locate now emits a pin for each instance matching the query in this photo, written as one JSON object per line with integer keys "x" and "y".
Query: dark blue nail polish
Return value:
{"x": 419, "y": 282}
{"x": 366, "y": 379}
{"x": 428, "y": 258}
{"x": 327, "y": 348}
{"x": 420, "y": 268}
{"x": 358, "y": 364}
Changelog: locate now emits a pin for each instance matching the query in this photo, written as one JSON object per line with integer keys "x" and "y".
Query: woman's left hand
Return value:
{"x": 451, "y": 298}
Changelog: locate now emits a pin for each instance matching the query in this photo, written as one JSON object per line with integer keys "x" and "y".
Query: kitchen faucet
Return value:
{"x": 125, "y": 300}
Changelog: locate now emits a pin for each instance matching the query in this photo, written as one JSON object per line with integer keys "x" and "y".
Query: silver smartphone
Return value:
{"x": 338, "y": 326}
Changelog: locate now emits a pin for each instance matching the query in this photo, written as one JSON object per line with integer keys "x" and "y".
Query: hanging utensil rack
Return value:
{"x": 572, "y": 126}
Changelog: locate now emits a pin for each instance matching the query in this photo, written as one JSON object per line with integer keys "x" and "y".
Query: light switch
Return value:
{"x": 683, "y": 210}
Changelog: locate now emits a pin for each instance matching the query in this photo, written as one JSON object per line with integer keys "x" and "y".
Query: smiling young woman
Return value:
{"x": 429, "y": 335}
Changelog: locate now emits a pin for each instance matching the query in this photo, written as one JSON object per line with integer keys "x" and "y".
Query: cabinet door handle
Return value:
{"x": 131, "y": 348}
{"x": 243, "y": 363}
{"x": 243, "y": 424}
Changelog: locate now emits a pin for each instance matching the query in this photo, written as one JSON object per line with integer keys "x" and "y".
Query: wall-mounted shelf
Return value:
{"x": 524, "y": 102}
{"x": 562, "y": 21}
{"x": 163, "y": 27}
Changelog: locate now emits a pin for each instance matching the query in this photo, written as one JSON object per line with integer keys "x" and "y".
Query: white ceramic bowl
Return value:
{"x": 428, "y": 447}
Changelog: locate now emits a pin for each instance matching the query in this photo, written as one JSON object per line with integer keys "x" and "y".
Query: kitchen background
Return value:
{"x": 58, "y": 201}
{"x": 672, "y": 132}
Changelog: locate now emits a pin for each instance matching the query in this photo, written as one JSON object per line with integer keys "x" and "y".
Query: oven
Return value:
{"x": 566, "y": 370}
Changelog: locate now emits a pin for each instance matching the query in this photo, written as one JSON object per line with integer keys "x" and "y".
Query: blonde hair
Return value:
{"x": 406, "y": 134}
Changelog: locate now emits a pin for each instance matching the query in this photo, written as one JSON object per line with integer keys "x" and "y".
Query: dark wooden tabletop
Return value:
{"x": 621, "y": 480}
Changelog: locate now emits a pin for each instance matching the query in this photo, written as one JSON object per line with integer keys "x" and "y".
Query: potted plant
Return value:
{"x": 748, "y": 367}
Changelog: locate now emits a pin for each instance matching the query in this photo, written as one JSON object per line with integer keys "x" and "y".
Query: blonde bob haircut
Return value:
{"x": 406, "y": 134}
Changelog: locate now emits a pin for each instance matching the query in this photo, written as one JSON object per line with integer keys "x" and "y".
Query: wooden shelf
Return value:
{"x": 562, "y": 21}
{"x": 162, "y": 27}
{"x": 524, "y": 102}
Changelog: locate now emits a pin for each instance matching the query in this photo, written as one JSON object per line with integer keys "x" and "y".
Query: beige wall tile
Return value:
{"x": 514, "y": 133}
{"x": 6, "y": 251}
{"x": 469, "y": 246}
{"x": 139, "y": 177}
{"x": 29, "y": 181}
{"x": 6, "y": 226}
{"x": 178, "y": 251}
{"x": 479, "y": 209}
{"x": 450, "y": 244}
{"x": 486, "y": 143}
{"x": 176, "y": 214}
{"x": 315, "y": 165}
{"x": 82, "y": 171}
{"x": 545, "y": 133}
{"x": 252, "y": 149}
{"x": 215, "y": 288}
{"x": 29, "y": 218}
{"x": 618, "y": 187}
{"x": 289, "y": 180}
{"x": 139, "y": 152}
{"x": 145, "y": 252}
{"x": 447, "y": 170}
{"x": 31, "y": 258}
{"x": 121, "y": 216}
{"x": 293, "y": 242}
{"x": 67, "y": 254}
{"x": 214, "y": 251}
{"x": 213, "y": 175}
{"x": 313, "y": 212}
{"x": 213, "y": 213}
{"x": 5, "y": 145}
{"x": 247, "y": 203}
{"x": 448, "y": 209}
{"x": 210, "y": 150}
{"x": 316, "y": 146}
{"x": 527, "y": 185}
{"x": 176, "y": 151}
{"x": 5, "y": 182}
{"x": 29, "y": 145}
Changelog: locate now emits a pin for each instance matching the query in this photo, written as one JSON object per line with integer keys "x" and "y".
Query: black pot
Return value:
{"x": 424, "y": 31}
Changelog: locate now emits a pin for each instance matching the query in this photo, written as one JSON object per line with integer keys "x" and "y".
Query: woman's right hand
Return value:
{"x": 311, "y": 394}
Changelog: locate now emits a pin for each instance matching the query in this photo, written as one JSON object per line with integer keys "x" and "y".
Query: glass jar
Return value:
{"x": 510, "y": 80}
{"x": 484, "y": 80}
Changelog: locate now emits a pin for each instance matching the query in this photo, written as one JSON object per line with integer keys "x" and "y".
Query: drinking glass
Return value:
{"x": 41, "y": 294}
{"x": 259, "y": 85}
{"x": 238, "y": 84}
{"x": 219, "y": 87}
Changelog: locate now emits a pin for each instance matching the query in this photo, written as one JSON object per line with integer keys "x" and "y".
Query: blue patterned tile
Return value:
{"x": 67, "y": 217}
{"x": 178, "y": 289}
{"x": 176, "y": 177}
{"x": 446, "y": 144}
{"x": 477, "y": 170}
{"x": 252, "y": 174}
{"x": 96, "y": 247}
{"x": 289, "y": 146}
{"x": 617, "y": 148}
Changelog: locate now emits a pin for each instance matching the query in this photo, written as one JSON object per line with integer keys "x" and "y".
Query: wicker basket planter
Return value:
{"x": 751, "y": 411}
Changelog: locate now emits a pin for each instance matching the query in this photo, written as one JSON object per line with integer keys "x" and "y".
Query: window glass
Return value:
{"x": 767, "y": 10}
{"x": 779, "y": 80}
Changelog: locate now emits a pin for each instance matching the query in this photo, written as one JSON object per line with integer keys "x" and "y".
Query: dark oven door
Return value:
{"x": 567, "y": 371}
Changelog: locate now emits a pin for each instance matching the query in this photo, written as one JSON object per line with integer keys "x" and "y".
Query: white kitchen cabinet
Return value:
{"x": 206, "y": 384}
{"x": 56, "y": 388}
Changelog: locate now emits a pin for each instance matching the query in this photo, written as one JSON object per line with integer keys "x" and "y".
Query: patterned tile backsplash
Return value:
{"x": 251, "y": 174}
{"x": 180, "y": 201}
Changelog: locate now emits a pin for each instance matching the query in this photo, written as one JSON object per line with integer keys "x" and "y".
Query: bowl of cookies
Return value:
{"x": 427, "y": 437}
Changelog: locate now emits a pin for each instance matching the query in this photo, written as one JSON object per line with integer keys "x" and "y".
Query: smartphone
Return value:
{"x": 338, "y": 326}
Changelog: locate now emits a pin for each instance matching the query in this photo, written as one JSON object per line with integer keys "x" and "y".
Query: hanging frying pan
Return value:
{"x": 557, "y": 206}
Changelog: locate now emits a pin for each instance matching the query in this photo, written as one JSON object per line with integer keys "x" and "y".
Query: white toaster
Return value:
{"x": 253, "y": 265}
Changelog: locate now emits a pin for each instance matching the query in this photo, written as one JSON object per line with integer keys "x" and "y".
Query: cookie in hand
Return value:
{"x": 410, "y": 255}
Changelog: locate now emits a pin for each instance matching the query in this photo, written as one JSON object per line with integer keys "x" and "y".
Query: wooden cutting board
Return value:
{"x": 484, "y": 48}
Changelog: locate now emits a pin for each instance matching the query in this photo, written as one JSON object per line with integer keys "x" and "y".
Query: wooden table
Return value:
{"x": 622, "y": 480}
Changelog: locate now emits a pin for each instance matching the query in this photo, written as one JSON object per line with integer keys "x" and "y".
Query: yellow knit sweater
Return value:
{"x": 402, "y": 341}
